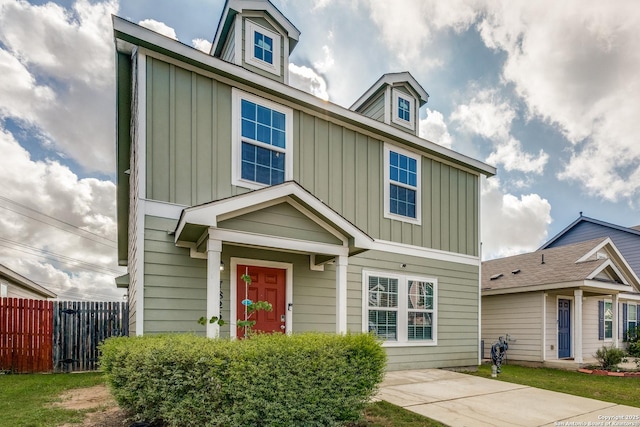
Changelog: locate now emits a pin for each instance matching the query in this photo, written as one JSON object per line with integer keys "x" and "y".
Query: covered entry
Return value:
{"x": 280, "y": 219}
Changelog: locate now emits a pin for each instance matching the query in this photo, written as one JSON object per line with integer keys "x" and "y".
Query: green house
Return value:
{"x": 344, "y": 218}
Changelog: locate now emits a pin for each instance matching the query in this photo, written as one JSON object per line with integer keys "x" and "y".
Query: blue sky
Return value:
{"x": 548, "y": 93}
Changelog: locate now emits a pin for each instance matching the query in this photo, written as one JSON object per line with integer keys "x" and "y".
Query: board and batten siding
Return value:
{"x": 520, "y": 316}
{"x": 457, "y": 309}
{"x": 188, "y": 159}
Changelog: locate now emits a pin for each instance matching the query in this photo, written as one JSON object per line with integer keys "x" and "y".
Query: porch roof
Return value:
{"x": 197, "y": 222}
{"x": 594, "y": 265}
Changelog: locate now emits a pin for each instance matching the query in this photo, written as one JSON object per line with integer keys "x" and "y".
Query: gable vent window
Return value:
{"x": 402, "y": 185}
{"x": 403, "y": 109}
{"x": 262, "y": 153}
{"x": 262, "y": 48}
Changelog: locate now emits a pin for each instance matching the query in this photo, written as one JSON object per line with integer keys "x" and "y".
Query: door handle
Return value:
{"x": 282, "y": 327}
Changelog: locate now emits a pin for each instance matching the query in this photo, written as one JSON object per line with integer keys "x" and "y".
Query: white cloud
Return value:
{"x": 511, "y": 224}
{"x": 327, "y": 62}
{"x": 576, "y": 66}
{"x": 61, "y": 63}
{"x": 33, "y": 192}
{"x": 490, "y": 117}
{"x": 202, "y": 44}
{"x": 434, "y": 128}
{"x": 306, "y": 79}
{"x": 159, "y": 27}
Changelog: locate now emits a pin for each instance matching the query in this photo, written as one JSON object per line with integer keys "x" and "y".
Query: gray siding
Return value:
{"x": 590, "y": 342}
{"x": 375, "y": 109}
{"x": 520, "y": 316}
{"x": 627, "y": 242}
{"x": 229, "y": 49}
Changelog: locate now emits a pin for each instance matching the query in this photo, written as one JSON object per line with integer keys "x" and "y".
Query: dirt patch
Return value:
{"x": 102, "y": 410}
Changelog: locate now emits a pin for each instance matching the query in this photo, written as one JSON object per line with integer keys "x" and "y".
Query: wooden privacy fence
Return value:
{"x": 60, "y": 336}
{"x": 26, "y": 331}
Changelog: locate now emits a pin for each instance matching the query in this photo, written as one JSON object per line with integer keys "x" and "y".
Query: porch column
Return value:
{"x": 616, "y": 322}
{"x": 214, "y": 248}
{"x": 577, "y": 329}
{"x": 341, "y": 294}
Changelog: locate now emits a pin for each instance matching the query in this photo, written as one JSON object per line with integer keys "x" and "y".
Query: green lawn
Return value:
{"x": 25, "y": 399}
{"x": 621, "y": 390}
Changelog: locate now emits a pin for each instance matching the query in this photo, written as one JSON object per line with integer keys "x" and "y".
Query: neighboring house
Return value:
{"x": 345, "y": 219}
{"x": 560, "y": 303}
{"x": 627, "y": 240}
{"x": 13, "y": 285}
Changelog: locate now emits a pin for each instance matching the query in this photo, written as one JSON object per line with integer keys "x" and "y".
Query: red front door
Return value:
{"x": 267, "y": 284}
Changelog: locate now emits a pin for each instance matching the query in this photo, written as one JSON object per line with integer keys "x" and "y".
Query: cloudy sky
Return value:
{"x": 546, "y": 91}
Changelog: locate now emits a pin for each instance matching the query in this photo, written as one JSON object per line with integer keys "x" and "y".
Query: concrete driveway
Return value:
{"x": 460, "y": 400}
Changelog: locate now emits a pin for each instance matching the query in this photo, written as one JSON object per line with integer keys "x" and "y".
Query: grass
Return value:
{"x": 385, "y": 414}
{"x": 620, "y": 390}
{"x": 25, "y": 400}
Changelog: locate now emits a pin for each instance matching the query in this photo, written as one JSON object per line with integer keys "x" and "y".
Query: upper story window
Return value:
{"x": 262, "y": 142}
{"x": 403, "y": 109}
{"x": 402, "y": 185}
{"x": 262, "y": 48}
{"x": 399, "y": 308}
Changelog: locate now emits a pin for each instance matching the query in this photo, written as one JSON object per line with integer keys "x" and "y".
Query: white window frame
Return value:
{"x": 387, "y": 182}
{"x": 402, "y": 317}
{"x": 632, "y": 308}
{"x": 236, "y": 125}
{"x": 4, "y": 289}
{"x": 396, "y": 95}
{"x": 604, "y": 319}
{"x": 250, "y": 29}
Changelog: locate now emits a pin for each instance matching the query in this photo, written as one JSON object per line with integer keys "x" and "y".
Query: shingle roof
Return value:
{"x": 529, "y": 270}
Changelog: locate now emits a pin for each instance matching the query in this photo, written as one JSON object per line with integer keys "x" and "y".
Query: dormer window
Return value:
{"x": 403, "y": 109}
{"x": 262, "y": 48}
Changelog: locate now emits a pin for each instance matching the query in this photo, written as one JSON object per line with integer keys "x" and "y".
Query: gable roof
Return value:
{"x": 631, "y": 230}
{"x": 233, "y": 7}
{"x": 22, "y": 282}
{"x": 391, "y": 79}
{"x": 195, "y": 220}
{"x": 560, "y": 267}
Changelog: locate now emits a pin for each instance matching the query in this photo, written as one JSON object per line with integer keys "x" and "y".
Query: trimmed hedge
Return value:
{"x": 309, "y": 379}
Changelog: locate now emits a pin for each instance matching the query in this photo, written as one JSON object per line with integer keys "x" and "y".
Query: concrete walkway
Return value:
{"x": 459, "y": 400}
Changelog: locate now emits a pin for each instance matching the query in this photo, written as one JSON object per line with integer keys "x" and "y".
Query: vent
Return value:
{"x": 496, "y": 276}
{"x": 516, "y": 271}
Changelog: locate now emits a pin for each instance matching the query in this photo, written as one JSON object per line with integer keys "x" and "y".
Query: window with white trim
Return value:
{"x": 262, "y": 145}
{"x": 632, "y": 318}
{"x": 402, "y": 185}
{"x": 403, "y": 109}
{"x": 608, "y": 319}
{"x": 400, "y": 308}
{"x": 262, "y": 47}
{"x": 3, "y": 289}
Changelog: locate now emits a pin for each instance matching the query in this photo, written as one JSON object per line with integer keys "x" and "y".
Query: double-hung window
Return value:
{"x": 403, "y": 109}
{"x": 262, "y": 47}
{"x": 402, "y": 185}
{"x": 608, "y": 319}
{"x": 632, "y": 319}
{"x": 262, "y": 146}
{"x": 400, "y": 309}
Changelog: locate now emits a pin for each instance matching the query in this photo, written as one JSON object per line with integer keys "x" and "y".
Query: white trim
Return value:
{"x": 387, "y": 182}
{"x": 387, "y": 110}
{"x": 342, "y": 264}
{"x": 237, "y": 34}
{"x": 587, "y": 284}
{"x": 479, "y": 231}
{"x": 236, "y": 134}
{"x": 604, "y": 320}
{"x": 422, "y": 252}
{"x": 233, "y": 291}
{"x": 214, "y": 252}
{"x": 281, "y": 243}
{"x": 250, "y": 28}
{"x": 402, "y": 308}
{"x": 577, "y": 327}
{"x": 141, "y": 147}
{"x": 544, "y": 326}
{"x": 162, "y": 209}
{"x": 411, "y": 123}
{"x": 609, "y": 263}
{"x": 305, "y": 100}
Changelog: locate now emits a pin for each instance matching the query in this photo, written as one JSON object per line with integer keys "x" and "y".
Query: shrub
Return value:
{"x": 609, "y": 357}
{"x": 303, "y": 379}
{"x": 633, "y": 347}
